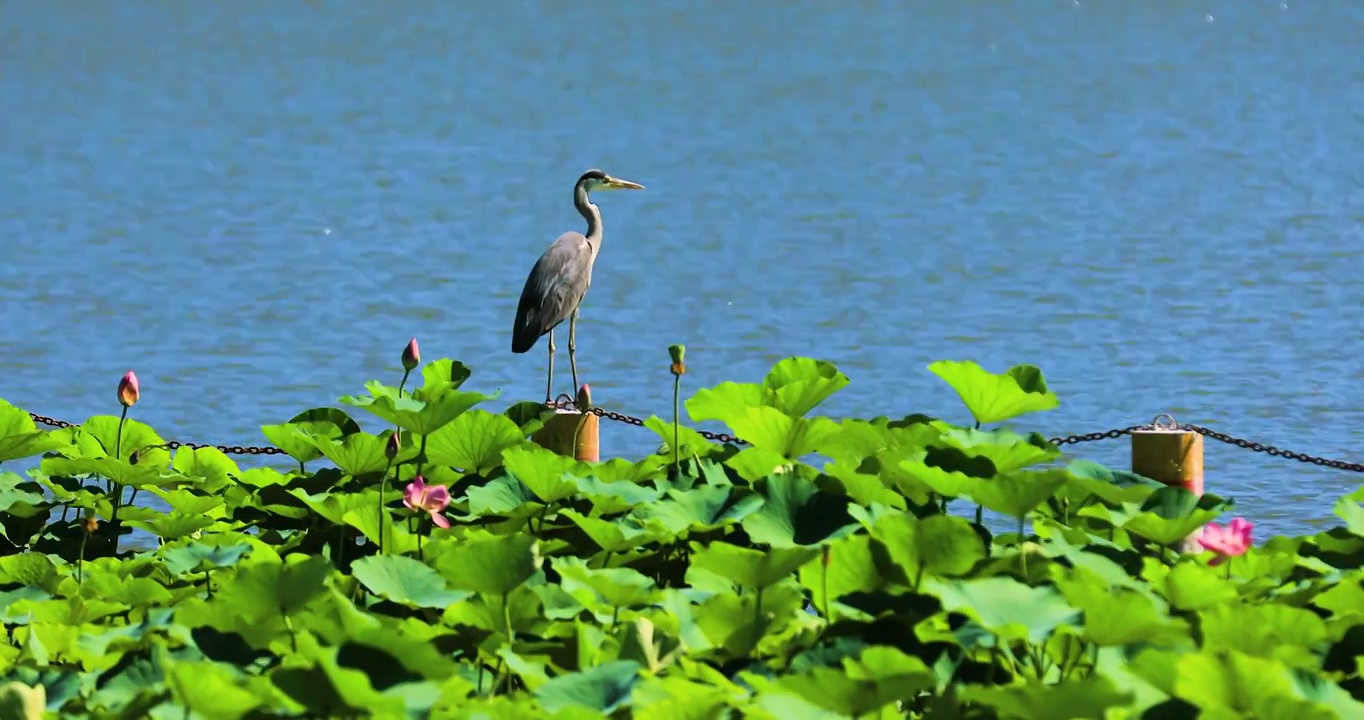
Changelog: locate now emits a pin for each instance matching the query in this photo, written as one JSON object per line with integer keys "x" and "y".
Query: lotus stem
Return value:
{"x": 383, "y": 485}
{"x": 420, "y": 525}
{"x": 677, "y": 418}
{"x": 1022, "y": 551}
{"x": 824, "y": 589}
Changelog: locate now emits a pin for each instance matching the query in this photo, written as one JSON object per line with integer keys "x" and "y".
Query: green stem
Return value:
{"x": 506, "y": 618}
{"x": 824, "y": 590}
{"x": 208, "y": 584}
{"x": 404, "y": 382}
{"x": 980, "y": 516}
{"x": 80, "y": 561}
{"x": 677, "y": 418}
{"x": 420, "y": 528}
{"x": 118, "y": 455}
{"x": 383, "y": 485}
{"x": 1022, "y": 551}
{"x": 421, "y": 457}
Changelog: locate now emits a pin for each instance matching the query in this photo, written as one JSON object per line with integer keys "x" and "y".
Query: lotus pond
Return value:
{"x": 832, "y": 569}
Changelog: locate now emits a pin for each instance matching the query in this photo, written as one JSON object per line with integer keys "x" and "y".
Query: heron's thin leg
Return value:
{"x": 573, "y": 351}
{"x": 549, "y": 381}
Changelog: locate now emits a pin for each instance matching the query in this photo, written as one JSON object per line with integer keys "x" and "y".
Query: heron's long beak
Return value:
{"x": 618, "y": 184}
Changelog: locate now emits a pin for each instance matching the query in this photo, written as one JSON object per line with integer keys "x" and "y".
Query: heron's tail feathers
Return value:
{"x": 523, "y": 337}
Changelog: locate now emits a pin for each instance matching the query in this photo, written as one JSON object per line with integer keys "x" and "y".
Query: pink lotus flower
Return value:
{"x": 128, "y": 390}
{"x": 1229, "y": 541}
{"x": 427, "y": 498}
{"x": 412, "y": 355}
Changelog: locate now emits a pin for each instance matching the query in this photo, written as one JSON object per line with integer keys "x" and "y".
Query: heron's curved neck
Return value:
{"x": 591, "y": 212}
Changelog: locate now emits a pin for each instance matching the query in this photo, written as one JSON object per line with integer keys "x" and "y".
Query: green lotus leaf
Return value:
{"x": 506, "y": 496}
{"x": 1190, "y": 586}
{"x": 677, "y": 698}
{"x": 1087, "y": 698}
{"x": 173, "y": 526}
{"x": 148, "y": 472}
{"x": 1018, "y": 493}
{"x": 754, "y": 463}
{"x": 263, "y": 589}
{"x": 795, "y": 512}
{"x": 992, "y": 398}
{"x": 605, "y": 688}
{"x": 365, "y": 518}
{"x": 881, "y": 676}
{"x": 420, "y": 417}
{"x": 1007, "y": 450}
{"x": 21, "y": 438}
{"x": 1349, "y": 510}
{"x": 529, "y": 416}
{"x": 1169, "y": 515}
{"x": 731, "y": 626}
{"x": 771, "y": 429}
{"x": 1116, "y": 615}
{"x": 851, "y": 569}
{"x": 921, "y": 469}
{"x": 19, "y": 701}
{"x": 752, "y": 569}
{"x": 1232, "y": 680}
{"x": 799, "y": 384}
{"x": 608, "y": 498}
{"x": 691, "y": 442}
{"x": 327, "y": 688}
{"x": 702, "y": 508}
{"x": 863, "y": 488}
{"x": 405, "y": 580}
{"x": 943, "y": 545}
{"x": 473, "y": 441}
{"x": 858, "y": 439}
{"x": 99, "y": 436}
{"x": 1004, "y": 606}
{"x": 1271, "y": 631}
{"x": 29, "y": 569}
{"x": 615, "y": 536}
{"x": 491, "y": 565}
{"x": 438, "y": 374}
{"x": 214, "y": 691}
{"x": 545, "y": 473}
{"x": 199, "y": 557}
{"x": 725, "y": 401}
{"x": 613, "y": 587}
{"x": 294, "y": 437}
{"x": 13, "y": 491}
{"x": 358, "y": 453}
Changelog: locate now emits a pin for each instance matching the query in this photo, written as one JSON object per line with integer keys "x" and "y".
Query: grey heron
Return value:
{"x": 561, "y": 276}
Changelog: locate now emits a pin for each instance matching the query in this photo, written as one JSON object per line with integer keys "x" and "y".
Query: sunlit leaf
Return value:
{"x": 991, "y": 398}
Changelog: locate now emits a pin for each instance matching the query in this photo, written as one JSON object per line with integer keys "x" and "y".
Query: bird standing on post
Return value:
{"x": 561, "y": 276}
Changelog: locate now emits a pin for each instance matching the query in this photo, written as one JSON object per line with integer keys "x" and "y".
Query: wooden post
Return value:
{"x": 1168, "y": 454}
{"x": 558, "y": 434}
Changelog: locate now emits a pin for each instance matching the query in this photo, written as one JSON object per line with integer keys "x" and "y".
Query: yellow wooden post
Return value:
{"x": 1169, "y": 454}
{"x": 559, "y": 433}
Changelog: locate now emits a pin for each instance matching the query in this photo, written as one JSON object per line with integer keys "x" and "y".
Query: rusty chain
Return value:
{"x": 566, "y": 403}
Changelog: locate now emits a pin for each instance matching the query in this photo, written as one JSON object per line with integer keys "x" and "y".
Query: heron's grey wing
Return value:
{"x": 555, "y": 287}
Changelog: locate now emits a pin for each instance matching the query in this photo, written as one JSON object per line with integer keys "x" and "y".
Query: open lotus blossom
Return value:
{"x": 1234, "y": 539}
{"x": 127, "y": 389}
{"x": 412, "y": 355}
{"x": 427, "y": 498}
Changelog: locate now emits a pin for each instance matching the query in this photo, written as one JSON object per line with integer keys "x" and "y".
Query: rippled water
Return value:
{"x": 255, "y": 205}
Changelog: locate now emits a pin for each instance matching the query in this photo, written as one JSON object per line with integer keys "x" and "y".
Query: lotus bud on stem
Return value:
{"x": 678, "y": 355}
{"x": 412, "y": 357}
{"x": 128, "y": 393}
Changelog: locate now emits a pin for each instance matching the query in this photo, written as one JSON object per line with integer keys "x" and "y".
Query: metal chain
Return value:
{"x": 1271, "y": 450}
{"x": 174, "y": 444}
{"x": 566, "y": 403}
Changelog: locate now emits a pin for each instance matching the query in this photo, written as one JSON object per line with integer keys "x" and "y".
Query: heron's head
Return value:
{"x": 594, "y": 180}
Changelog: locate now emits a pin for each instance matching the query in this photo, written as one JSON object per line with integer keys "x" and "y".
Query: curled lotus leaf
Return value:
{"x": 992, "y": 398}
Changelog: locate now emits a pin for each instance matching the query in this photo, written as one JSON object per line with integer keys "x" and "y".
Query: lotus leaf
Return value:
{"x": 437, "y": 407}
{"x": 992, "y": 398}
{"x": 295, "y": 436}
{"x": 728, "y": 582}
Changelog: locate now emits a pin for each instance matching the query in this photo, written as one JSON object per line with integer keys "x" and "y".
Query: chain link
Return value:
{"x": 173, "y": 444}
{"x": 566, "y": 403}
{"x": 1271, "y": 450}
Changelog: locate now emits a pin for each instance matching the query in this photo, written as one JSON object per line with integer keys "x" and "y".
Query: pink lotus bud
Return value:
{"x": 394, "y": 445}
{"x": 412, "y": 355}
{"x": 127, "y": 389}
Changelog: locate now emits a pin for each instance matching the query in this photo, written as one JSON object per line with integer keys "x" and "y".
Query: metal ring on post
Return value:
{"x": 1172, "y": 426}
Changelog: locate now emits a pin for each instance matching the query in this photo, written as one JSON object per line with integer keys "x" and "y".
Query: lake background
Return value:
{"x": 254, "y": 205}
